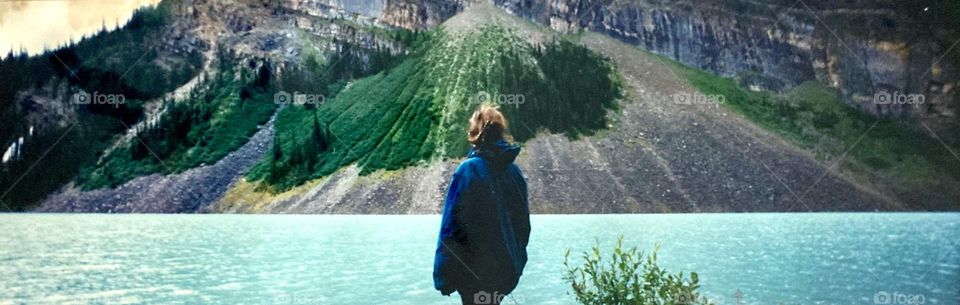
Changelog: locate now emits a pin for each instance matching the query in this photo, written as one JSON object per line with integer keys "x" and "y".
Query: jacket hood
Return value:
{"x": 501, "y": 153}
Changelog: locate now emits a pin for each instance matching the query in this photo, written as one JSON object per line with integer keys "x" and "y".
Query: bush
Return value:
{"x": 628, "y": 278}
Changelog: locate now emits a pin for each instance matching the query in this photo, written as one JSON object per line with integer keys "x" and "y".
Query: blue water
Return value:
{"x": 848, "y": 258}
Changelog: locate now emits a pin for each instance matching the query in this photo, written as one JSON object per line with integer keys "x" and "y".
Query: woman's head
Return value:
{"x": 488, "y": 125}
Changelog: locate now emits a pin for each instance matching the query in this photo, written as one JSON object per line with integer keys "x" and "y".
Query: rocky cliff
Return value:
{"x": 419, "y": 14}
{"x": 868, "y": 49}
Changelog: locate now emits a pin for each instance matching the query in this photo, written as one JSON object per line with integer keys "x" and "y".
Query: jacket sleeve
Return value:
{"x": 446, "y": 263}
{"x": 523, "y": 225}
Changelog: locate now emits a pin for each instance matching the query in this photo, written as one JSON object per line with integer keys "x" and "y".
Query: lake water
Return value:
{"x": 845, "y": 258}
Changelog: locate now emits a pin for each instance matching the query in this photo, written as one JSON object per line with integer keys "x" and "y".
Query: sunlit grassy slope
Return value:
{"x": 418, "y": 110}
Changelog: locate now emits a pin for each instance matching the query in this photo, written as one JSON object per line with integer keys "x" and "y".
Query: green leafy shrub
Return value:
{"x": 628, "y": 278}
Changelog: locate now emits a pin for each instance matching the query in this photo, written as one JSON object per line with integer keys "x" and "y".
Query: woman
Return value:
{"x": 482, "y": 247}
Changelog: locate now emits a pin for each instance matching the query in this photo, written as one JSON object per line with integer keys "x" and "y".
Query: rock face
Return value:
{"x": 419, "y": 14}
{"x": 866, "y": 49}
{"x": 284, "y": 31}
{"x": 368, "y": 8}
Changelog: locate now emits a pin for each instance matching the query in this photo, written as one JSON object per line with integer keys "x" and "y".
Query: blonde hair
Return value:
{"x": 487, "y": 125}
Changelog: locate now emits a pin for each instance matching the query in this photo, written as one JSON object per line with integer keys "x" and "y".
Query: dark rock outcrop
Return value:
{"x": 419, "y": 14}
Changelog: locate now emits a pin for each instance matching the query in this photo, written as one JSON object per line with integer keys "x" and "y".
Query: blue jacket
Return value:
{"x": 486, "y": 224}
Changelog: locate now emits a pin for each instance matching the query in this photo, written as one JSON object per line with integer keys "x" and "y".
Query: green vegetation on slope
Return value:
{"x": 224, "y": 111}
{"x": 812, "y": 116}
{"x": 124, "y": 61}
{"x": 217, "y": 118}
{"x": 129, "y": 61}
{"x": 418, "y": 109}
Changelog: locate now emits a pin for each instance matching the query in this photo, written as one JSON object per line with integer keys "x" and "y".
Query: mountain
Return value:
{"x": 858, "y": 47}
{"x": 380, "y": 104}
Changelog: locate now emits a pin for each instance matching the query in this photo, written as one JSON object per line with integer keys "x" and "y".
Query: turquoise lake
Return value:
{"x": 828, "y": 258}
